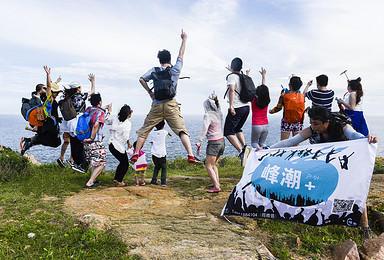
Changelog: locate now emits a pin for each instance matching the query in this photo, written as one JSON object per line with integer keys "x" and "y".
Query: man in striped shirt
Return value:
{"x": 321, "y": 96}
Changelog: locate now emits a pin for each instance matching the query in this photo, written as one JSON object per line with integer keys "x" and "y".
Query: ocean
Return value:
{"x": 12, "y": 129}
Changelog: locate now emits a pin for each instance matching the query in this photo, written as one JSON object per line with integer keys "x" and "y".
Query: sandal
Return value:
{"x": 213, "y": 190}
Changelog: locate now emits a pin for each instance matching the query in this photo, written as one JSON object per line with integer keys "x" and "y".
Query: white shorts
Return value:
{"x": 69, "y": 126}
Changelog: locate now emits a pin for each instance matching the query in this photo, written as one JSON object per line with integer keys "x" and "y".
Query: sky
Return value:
{"x": 118, "y": 41}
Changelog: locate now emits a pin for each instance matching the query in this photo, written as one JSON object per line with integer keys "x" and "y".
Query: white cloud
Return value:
{"x": 119, "y": 41}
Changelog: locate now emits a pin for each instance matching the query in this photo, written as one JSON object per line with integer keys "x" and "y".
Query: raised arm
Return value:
{"x": 307, "y": 87}
{"x": 183, "y": 43}
{"x": 49, "y": 82}
{"x": 263, "y": 72}
{"x": 91, "y": 78}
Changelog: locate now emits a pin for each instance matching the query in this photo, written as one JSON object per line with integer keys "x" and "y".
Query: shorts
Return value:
{"x": 137, "y": 173}
{"x": 169, "y": 111}
{"x": 233, "y": 124}
{"x": 95, "y": 153}
{"x": 291, "y": 127}
{"x": 69, "y": 126}
{"x": 216, "y": 147}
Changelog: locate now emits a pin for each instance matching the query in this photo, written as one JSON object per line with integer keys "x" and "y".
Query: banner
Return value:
{"x": 318, "y": 184}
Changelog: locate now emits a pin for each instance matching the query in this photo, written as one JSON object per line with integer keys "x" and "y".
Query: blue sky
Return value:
{"x": 118, "y": 42}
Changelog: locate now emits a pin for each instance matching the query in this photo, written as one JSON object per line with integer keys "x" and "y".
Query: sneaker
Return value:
{"x": 134, "y": 158}
{"x": 70, "y": 162}
{"x": 366, "y": 233}
{"x": 78, "y": 168}
{"x": 245, "y": 156}
{"x": 153, "y": 183}
{"x": 24, "y": 146}
{"x": 137, "y": 184}
{"x": 194, "y": 159}
{"x": 121, "y": 184}
{"x": 142, "y": 184}
{"x": 241, "y": 154}
{"x": 163, "y": 184}
{"x": 61, "y": 162}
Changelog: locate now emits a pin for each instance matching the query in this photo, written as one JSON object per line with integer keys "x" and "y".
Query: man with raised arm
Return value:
{"x": 165, "y": 106}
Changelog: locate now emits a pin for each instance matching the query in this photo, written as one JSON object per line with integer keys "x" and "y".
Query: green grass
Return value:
{"x": 33, "y": 224}
{"x": 31, "y": 202}
{"x": 379, "y": 166}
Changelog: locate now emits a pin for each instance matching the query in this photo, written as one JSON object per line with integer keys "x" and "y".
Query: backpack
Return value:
{"x": 67, "y": 109}
{"x": 25, "y": 106}
{"x": 162, "y": 84}
{"x": 342, "y": 117}
{"x": 248, "y": 89}
{"x": 294, "y": 107}
{"x": 84, "y": 127}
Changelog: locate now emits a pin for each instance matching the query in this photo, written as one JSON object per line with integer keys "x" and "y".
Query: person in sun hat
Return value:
{"x": 73, "y": 91}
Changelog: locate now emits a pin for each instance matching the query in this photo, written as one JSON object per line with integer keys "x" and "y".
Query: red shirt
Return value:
{"x": 259, "y": 115}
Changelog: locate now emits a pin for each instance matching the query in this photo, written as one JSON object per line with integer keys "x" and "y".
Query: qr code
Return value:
{"x": 342, "y": 205}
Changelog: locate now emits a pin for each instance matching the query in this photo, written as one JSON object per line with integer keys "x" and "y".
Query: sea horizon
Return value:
{"x": 14, "y": 128}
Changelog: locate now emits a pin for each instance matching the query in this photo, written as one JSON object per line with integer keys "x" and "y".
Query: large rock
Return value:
{"x": 373, "y": 249}
{"x": 345, "y": 251}
{"x": 378, "y": 217}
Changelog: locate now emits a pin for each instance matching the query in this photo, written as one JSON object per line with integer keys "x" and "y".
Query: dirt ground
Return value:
{"x": 162, "y": 223}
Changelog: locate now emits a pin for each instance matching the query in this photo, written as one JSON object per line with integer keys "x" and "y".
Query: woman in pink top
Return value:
{"x": 259, "y": 106}
{"x": 213, "y": 119}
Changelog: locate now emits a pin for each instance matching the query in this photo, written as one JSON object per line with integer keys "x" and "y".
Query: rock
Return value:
{"x": 264, "y": 253}
{"x": 95, "y": 221}
{"x": 32, "y": 159}
{"x": 345, "y": 251}
{"x": 378, "y": 216}
{"x": 373, "y": 249}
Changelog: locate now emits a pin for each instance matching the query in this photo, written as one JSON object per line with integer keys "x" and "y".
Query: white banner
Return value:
{"x": 319, "y": 184}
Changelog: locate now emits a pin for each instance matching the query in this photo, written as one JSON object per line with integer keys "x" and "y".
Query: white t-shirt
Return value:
{"x": 119, "y": 133}
{"x": 347, "y": 96}
{"x": 157, "y": 139}
{"x": 234, "y": 79}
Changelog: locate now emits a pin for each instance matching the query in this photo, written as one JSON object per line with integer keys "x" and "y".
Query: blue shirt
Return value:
{"x": 175, "y": 72}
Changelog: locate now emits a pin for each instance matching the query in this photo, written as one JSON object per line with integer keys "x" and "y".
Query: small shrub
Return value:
{"x": 13, "y": 165}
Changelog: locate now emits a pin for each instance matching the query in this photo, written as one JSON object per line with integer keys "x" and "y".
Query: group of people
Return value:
{"x": 326, "y": 126}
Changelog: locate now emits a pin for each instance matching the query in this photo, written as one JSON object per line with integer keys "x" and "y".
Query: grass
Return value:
{"x": 34, "y": 225}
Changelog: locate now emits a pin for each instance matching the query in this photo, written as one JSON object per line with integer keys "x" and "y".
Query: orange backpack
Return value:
{"x": 294, "y": 107}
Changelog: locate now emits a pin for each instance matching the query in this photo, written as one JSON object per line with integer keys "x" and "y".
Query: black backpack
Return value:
{"x": 248, "y": 89}
{"x": 67, "y": 109}
{"x": 342, "y": 117}
{"x": 25, "y": 106}
{"x": 162, "y": 84}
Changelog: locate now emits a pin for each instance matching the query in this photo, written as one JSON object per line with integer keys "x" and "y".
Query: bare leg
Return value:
{"x": 65, "y": 145}
{"x": 235, "y": 142}
{"x": 240, "y": 136}
{"x": 139, "y": 144}
{"x": 186, "y": 142}
{"x": 364, "y": 217}
{"x": 95, "y": 172}
{"x": 284, "y": 135}
{"x": 137, "y": 179}
{"x": 210, "y": 165}
{"x": 143, "y": 178}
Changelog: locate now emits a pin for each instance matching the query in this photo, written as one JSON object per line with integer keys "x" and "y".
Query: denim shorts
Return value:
{"x": 216, "y": 148}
